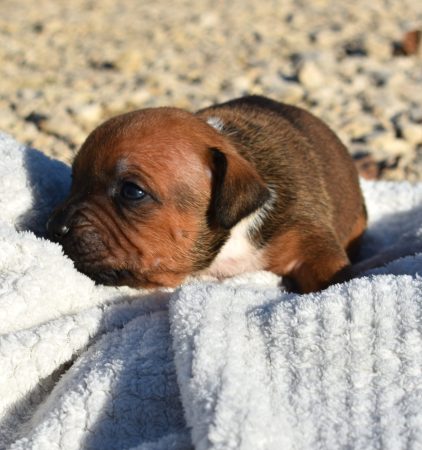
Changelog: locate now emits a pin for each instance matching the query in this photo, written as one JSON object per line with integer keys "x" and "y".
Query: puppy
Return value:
{"x": 161, "y": 194}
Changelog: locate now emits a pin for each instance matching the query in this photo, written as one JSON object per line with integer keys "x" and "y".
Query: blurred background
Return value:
{"x": 65, "y": 66}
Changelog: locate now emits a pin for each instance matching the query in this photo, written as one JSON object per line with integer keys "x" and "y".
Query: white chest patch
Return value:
{"x": 238, "y": 254}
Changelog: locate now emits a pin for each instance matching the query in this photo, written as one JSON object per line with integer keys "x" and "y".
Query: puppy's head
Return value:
{"x": 154, "y": 195}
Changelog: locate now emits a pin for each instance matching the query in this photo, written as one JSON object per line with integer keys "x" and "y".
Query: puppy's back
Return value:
{"x": 299, "y": 156}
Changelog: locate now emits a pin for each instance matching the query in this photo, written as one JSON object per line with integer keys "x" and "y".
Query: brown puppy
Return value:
{"x": 161, "y": 194}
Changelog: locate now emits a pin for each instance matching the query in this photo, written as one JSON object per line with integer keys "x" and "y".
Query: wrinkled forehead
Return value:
{"x": 170, "y": 143}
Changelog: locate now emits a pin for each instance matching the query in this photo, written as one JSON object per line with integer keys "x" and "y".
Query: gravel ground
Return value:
{"x": 67, "y": 66}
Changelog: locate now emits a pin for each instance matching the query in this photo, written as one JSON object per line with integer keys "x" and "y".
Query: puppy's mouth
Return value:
{"x": 108, "y": 276}
{"x": 116, "y": 277}
{"x": 90, "y": 256}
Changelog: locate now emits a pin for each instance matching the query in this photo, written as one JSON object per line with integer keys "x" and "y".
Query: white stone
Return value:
{"x": 377, "y": 46}
{"x": 7, "y": 118}
{"x": 129, "y": 61}
{"x": 412, "y": 132}
{"x": 310, "y": 75}
{"x": 388, "y": 144}
{"x": 91, "y": 113}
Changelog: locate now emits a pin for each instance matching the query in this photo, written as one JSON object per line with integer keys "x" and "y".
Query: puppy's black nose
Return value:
{"x": 57, "y": 226}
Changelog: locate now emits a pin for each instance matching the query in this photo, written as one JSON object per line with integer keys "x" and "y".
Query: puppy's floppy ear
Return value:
{"x": 237, "y": 189}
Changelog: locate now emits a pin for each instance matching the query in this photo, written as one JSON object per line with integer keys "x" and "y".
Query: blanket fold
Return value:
{"x": 238, "y": 364}
{"x": 340, "y": 369}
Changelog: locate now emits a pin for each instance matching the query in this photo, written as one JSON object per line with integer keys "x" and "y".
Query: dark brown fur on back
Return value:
{"x": 313, "y": 178}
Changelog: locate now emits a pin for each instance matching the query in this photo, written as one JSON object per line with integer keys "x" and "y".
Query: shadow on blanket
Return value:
{"x": 389, "y": 239}
{"x": 146, "y": 398}
{"x": 49, "y": 182}
{"x": 22, "y": 410}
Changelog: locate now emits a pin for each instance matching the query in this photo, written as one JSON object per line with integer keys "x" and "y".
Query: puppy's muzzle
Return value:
{"x": 83, "y": 243}
{"x": 72, "y": 230}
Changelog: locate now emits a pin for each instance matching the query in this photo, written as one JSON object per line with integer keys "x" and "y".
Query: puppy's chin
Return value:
{"x": 108, "y": 276}
{"x": 90, "y": 256}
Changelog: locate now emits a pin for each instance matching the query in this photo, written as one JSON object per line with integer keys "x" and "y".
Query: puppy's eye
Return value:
{"x": 131, "y": 191}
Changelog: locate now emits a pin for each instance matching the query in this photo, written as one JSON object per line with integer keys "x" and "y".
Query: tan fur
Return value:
{"x": 250, "y": 184}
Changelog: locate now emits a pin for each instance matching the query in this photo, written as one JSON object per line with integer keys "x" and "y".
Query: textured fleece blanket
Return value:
{"x": 234, "y": 365}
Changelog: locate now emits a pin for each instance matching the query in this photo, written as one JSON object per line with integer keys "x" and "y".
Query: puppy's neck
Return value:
{"x": 241, "y": 252}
